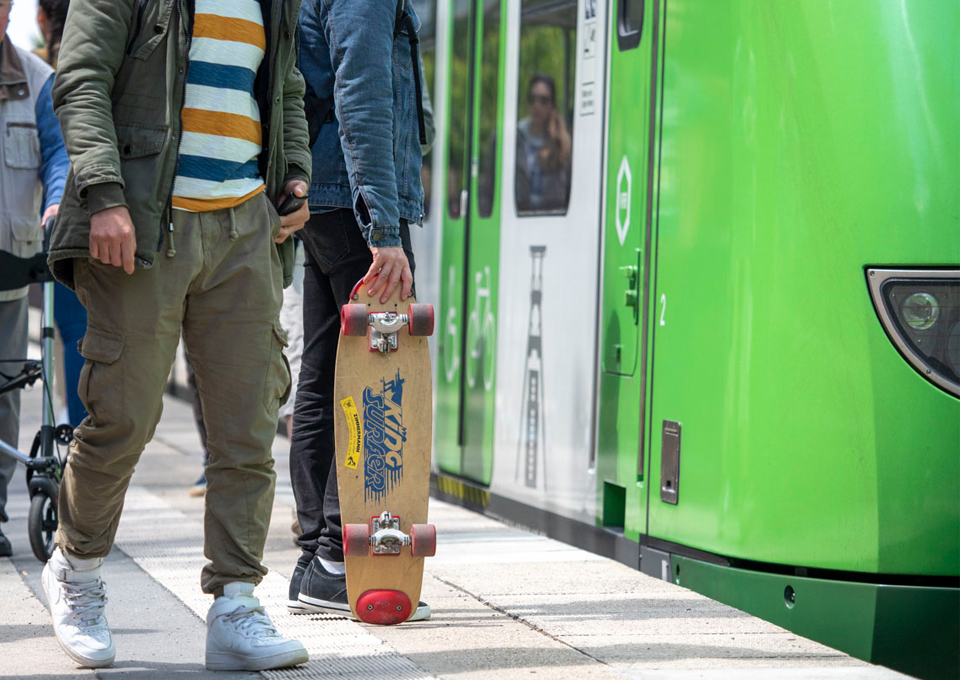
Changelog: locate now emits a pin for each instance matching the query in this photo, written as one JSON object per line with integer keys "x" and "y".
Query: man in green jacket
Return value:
{"x": 184, "y": 124}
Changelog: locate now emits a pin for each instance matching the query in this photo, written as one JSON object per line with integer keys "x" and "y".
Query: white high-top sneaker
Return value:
{"x": 240, "y": 635}
{"x": 77, "y": 599}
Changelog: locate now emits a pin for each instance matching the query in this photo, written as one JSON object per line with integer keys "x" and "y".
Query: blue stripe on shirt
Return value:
{"x": 215, "y": 170}
{"x": 219, "y": 75}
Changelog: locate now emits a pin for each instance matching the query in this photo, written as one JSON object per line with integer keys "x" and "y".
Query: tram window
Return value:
{"x": 548, "y": 49}
{"x": 629, "y": 24}
{"x": 489, "y": 102}
{"x": 427, "y": 12}
{"x": 459, "y": 96}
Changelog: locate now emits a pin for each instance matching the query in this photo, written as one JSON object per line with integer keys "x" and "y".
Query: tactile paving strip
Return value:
{"x": 166, "y": 544}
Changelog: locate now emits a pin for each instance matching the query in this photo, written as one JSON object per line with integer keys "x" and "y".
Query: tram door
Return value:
{"x": 467, "y": 318}
{"x": 624, "y": 320}
{"x": 550, "y": 246}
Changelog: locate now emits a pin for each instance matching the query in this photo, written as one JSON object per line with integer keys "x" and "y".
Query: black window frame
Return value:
{"x": 565, "y": 101}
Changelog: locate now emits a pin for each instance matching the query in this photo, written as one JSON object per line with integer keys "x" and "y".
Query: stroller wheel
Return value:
{"x": 42, "y": 523}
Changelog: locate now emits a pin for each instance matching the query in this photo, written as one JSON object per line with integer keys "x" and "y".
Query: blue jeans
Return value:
{"x": 71, "y": 320}
{"x": 336, "y": 258}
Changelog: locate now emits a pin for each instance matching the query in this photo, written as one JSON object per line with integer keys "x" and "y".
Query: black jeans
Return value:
{"x": 336, "y": 258}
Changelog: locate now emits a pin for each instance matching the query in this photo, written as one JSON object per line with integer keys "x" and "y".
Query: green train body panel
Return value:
{"x": 627, "y": 275}
{"x": 447, "y": 453}
{"x": 470, "y": 247}
{"x": 913, "y": 628}
{"x": 758, "y": 157}
{"x": 806, "y": 439}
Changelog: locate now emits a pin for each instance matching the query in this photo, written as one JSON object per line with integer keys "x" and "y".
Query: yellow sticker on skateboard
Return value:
{"x": 355, "y": 437}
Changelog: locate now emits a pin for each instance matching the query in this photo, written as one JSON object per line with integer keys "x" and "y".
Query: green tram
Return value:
{"x": 696, "y": 266}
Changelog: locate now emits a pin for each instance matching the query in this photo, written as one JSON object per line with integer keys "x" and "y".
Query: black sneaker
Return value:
{"x": 5, "y": 549}
{"x": 321, "y": 591}
{"x": 294, "y": 606}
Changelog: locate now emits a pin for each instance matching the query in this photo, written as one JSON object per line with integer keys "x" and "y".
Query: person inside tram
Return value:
{"x": 543, "y": 151}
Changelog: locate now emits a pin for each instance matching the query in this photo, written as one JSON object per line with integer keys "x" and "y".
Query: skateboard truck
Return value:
{"x": 383, "y": 536}
{"x": 387, "y": 539}
{"x": 383, "y": 327}
{"x": 383, "y": 330}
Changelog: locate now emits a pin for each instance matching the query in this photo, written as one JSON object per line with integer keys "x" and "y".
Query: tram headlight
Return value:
{"x": 920, "y": 311}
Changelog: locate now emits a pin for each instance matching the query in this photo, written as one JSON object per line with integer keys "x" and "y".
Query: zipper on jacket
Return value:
{"x": 138, "y": 28}
{"x": 172, "y": 251}
{"x": 263, "y": 82}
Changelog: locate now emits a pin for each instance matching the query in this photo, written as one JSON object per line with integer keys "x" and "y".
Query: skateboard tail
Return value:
{"x": 384, "y": 607}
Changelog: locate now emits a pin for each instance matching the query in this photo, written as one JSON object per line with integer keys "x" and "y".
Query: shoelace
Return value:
{"x": 86, "y": 601}
{"x": 251, "y": 620}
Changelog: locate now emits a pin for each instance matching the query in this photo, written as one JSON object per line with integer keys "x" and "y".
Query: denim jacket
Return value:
{"x": 367, "y": 156}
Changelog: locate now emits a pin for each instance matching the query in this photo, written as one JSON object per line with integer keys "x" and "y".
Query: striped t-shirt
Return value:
{"x": 217, "y": 166}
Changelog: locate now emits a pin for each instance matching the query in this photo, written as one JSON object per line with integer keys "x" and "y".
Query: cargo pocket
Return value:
{"x": 136, "y": 141}
{"x": 21, "y": 146}
{"x": 138, "y": 145}
{"x": 27, "y": 233}
{"x": 101, "y": 392}
{"x": 149, "y": 28}
{"x": 278, "y": 383}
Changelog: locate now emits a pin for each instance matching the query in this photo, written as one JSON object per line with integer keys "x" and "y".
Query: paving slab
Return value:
{"x": 507, "y": 603}
{"x": 27, "y": 645}
{"x": 156, "y": 636}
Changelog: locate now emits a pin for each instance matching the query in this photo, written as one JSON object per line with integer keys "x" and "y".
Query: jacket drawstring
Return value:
{"x": 171, "y": 249}
{"x": 233, "y": 226}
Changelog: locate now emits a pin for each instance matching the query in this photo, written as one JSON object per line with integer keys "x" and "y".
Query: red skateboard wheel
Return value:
{"x": 423, "y": 540}
{"x": 421, "y": 318}
{"x": 353, "y": 319}
{"x": 384, "y": 607}
{"x": 356, "y": 540}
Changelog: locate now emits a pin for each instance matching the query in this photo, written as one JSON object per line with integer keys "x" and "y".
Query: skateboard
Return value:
{"x": 384, "y": 425}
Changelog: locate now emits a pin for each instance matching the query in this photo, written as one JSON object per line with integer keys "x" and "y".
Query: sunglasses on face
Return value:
{"x": 539, "y": 99}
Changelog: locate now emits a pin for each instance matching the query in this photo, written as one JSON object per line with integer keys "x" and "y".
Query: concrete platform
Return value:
{"x": 506, "y": 603}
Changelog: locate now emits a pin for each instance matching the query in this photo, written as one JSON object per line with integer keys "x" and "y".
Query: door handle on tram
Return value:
{"x": 631, "y": 297}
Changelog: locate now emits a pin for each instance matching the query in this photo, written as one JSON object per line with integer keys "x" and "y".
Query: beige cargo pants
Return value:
{"x": 222, "y": 284}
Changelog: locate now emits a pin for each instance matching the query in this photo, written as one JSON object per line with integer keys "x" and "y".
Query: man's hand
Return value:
{"x": 50, "y": 212}
{"x": 112, "y": 238}
{"x": 390, "y": 266}
{"x": 295, "y": 221}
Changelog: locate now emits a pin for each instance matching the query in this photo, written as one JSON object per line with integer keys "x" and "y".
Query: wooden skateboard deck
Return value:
{"x": 384, "y": 426}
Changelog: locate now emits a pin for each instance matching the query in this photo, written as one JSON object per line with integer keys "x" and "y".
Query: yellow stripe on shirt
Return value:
{"x": 222, "y": 124}
{"x": 227, "y": 28}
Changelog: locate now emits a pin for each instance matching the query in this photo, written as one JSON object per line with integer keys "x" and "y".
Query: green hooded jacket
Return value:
{"x": 118, "y": 94}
